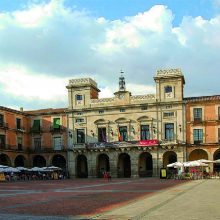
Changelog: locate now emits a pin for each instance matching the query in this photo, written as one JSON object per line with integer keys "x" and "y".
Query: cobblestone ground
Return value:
{"x": 73, "y": 199}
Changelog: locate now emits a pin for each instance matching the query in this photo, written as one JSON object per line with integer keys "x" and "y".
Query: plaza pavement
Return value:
{"x": 150, "y": 199}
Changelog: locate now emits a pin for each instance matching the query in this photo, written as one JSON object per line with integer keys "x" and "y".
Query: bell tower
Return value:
{"x": 169, "y": 85}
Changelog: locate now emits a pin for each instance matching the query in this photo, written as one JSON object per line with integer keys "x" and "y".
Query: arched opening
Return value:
{"x": 145, "y": 165}
{"x": 169, "y": 157}
{"x": 216, "y": 156}
{"x": 19, "y": 161}
{"x": 39, "y": 161}
{"x": 82, "y": 167}
{"x": 124, "y": 166}
{"x": 103, "y": 164}
{"x": 198, "y": 154}
{"x": 59, "y": 161}
{"x": 5, "y": 160}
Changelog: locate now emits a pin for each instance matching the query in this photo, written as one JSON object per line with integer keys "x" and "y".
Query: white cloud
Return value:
{"x": 19, "y": 82}
{"x": 47, "y": 44}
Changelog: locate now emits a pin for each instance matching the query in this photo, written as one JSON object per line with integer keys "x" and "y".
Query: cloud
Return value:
{"x": 19, "y": 82}
{"x": 46, "y": 44}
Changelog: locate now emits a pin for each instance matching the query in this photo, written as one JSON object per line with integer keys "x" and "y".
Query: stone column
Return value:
{"x": 71, "y": 164}
{"x": 91, "y": 161}
{"x": 113, "y": 163}
{"x": 155, "y": 163}
{"x": 134, "y": 157}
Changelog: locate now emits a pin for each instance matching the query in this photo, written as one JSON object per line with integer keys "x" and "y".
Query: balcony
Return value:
{"x": 59, "y": 129}
{"x": 197, "y": 120}
{"x": 35, "y": 130}
{"x": 3, "y": 125}
{"x": 198, "y": 142}
{"x": 20, "y": 129}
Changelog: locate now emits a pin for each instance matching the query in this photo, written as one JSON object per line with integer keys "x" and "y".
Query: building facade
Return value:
{"x": 33, "y": 138}
{"x": 203, "y": 128}
{"x": 129, "y": 136}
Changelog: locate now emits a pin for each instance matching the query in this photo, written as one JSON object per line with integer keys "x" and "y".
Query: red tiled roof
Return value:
{"x": 46, "y": 111}
{"x": 202, "y": 98}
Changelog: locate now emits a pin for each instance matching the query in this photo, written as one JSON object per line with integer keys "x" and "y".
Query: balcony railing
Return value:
{"x": 3, "y": 125}
{"x": 60, "y": 129}
{"x": 197, "y": 120}
{"x": 198, "y": 142}
{"x": 35, "y": 130}
{"x": 20, "y": 129}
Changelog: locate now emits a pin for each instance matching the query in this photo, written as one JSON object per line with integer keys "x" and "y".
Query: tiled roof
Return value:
{"x": 12, "y": 110}
{"x": 46, "y": 111}
{"x": 202, "y": 98}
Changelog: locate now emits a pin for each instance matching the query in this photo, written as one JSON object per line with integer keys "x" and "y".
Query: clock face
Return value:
{"x": 121, "y": 96}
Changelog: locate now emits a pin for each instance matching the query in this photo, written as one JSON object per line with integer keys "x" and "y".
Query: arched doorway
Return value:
{"x": 145, "y": 165}
{"x": 103, "y": 164}
{"x": 39, "y": 161}
{"x": 82, "y": 167}
{"x": 198, "y": 154}
{"x": 124, "y": 165}
{"x": 59, "y": 161}
{"x": 5, "y": 160}
{"x": 216, "y": 156}
{"x": 19, "y": 161}
{"x": 169, "y": 157}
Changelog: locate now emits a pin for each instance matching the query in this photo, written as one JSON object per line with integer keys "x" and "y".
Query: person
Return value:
{"x": 109, "y": 176}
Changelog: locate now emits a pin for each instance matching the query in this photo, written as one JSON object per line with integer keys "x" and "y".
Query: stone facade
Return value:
{"x": 127, "y": 135}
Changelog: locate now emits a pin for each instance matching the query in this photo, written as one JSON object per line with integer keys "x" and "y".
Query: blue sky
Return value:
{"x": 43, "y": 44}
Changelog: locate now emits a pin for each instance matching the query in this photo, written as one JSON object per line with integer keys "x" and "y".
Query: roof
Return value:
{"x": 202, "y": 98}
{"x": 46, "y": 111}
{"x": 12, "y": 110}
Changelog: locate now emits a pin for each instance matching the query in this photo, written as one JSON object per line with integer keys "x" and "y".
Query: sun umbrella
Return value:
{"x": 3, "y": 166}
{"x": 216, "y": 161}
{"x": 175, "y": 165}
{"x": 205, "y": 161}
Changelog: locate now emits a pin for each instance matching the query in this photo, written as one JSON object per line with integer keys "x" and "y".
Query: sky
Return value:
{"x": 45, "y": 43}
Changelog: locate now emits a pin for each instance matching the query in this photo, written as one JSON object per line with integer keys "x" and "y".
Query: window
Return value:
{"x": 36, "y": 125}
{"x": 79, "y": 97}
{"x": 19, "y": 143}
{"x": 102, "y": 134}
{"x": 144, "y": 108}
{"x": 198, "y": 136}
{"x": 168, "y": 89}
{"x": 169, "y": 131}
{"x": 18, "y": 123}
{"x": 218, "y": 135}
{"x": 56, "y": 123}
{"x": 80, "y": 135}
{"x": 122, "y": 110}
{"x": 2, "y": 141}
{"x": 218, "y": 113}
{"x": 197, "y": 114}
{"x": 101, "y": 111}
{"x": 145, "y": 132}
{"x": 122, "y": 133}
{"x": 37, "y": 143}
{"x": 79, "y": 120}
{"x": 79, "y": 113}
{"x": 168, "y": 114}
{"x": 57, "y": 144}
{"x": 1, "y": 120}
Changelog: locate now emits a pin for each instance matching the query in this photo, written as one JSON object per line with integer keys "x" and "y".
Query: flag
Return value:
{"x": 119, "y": 136}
